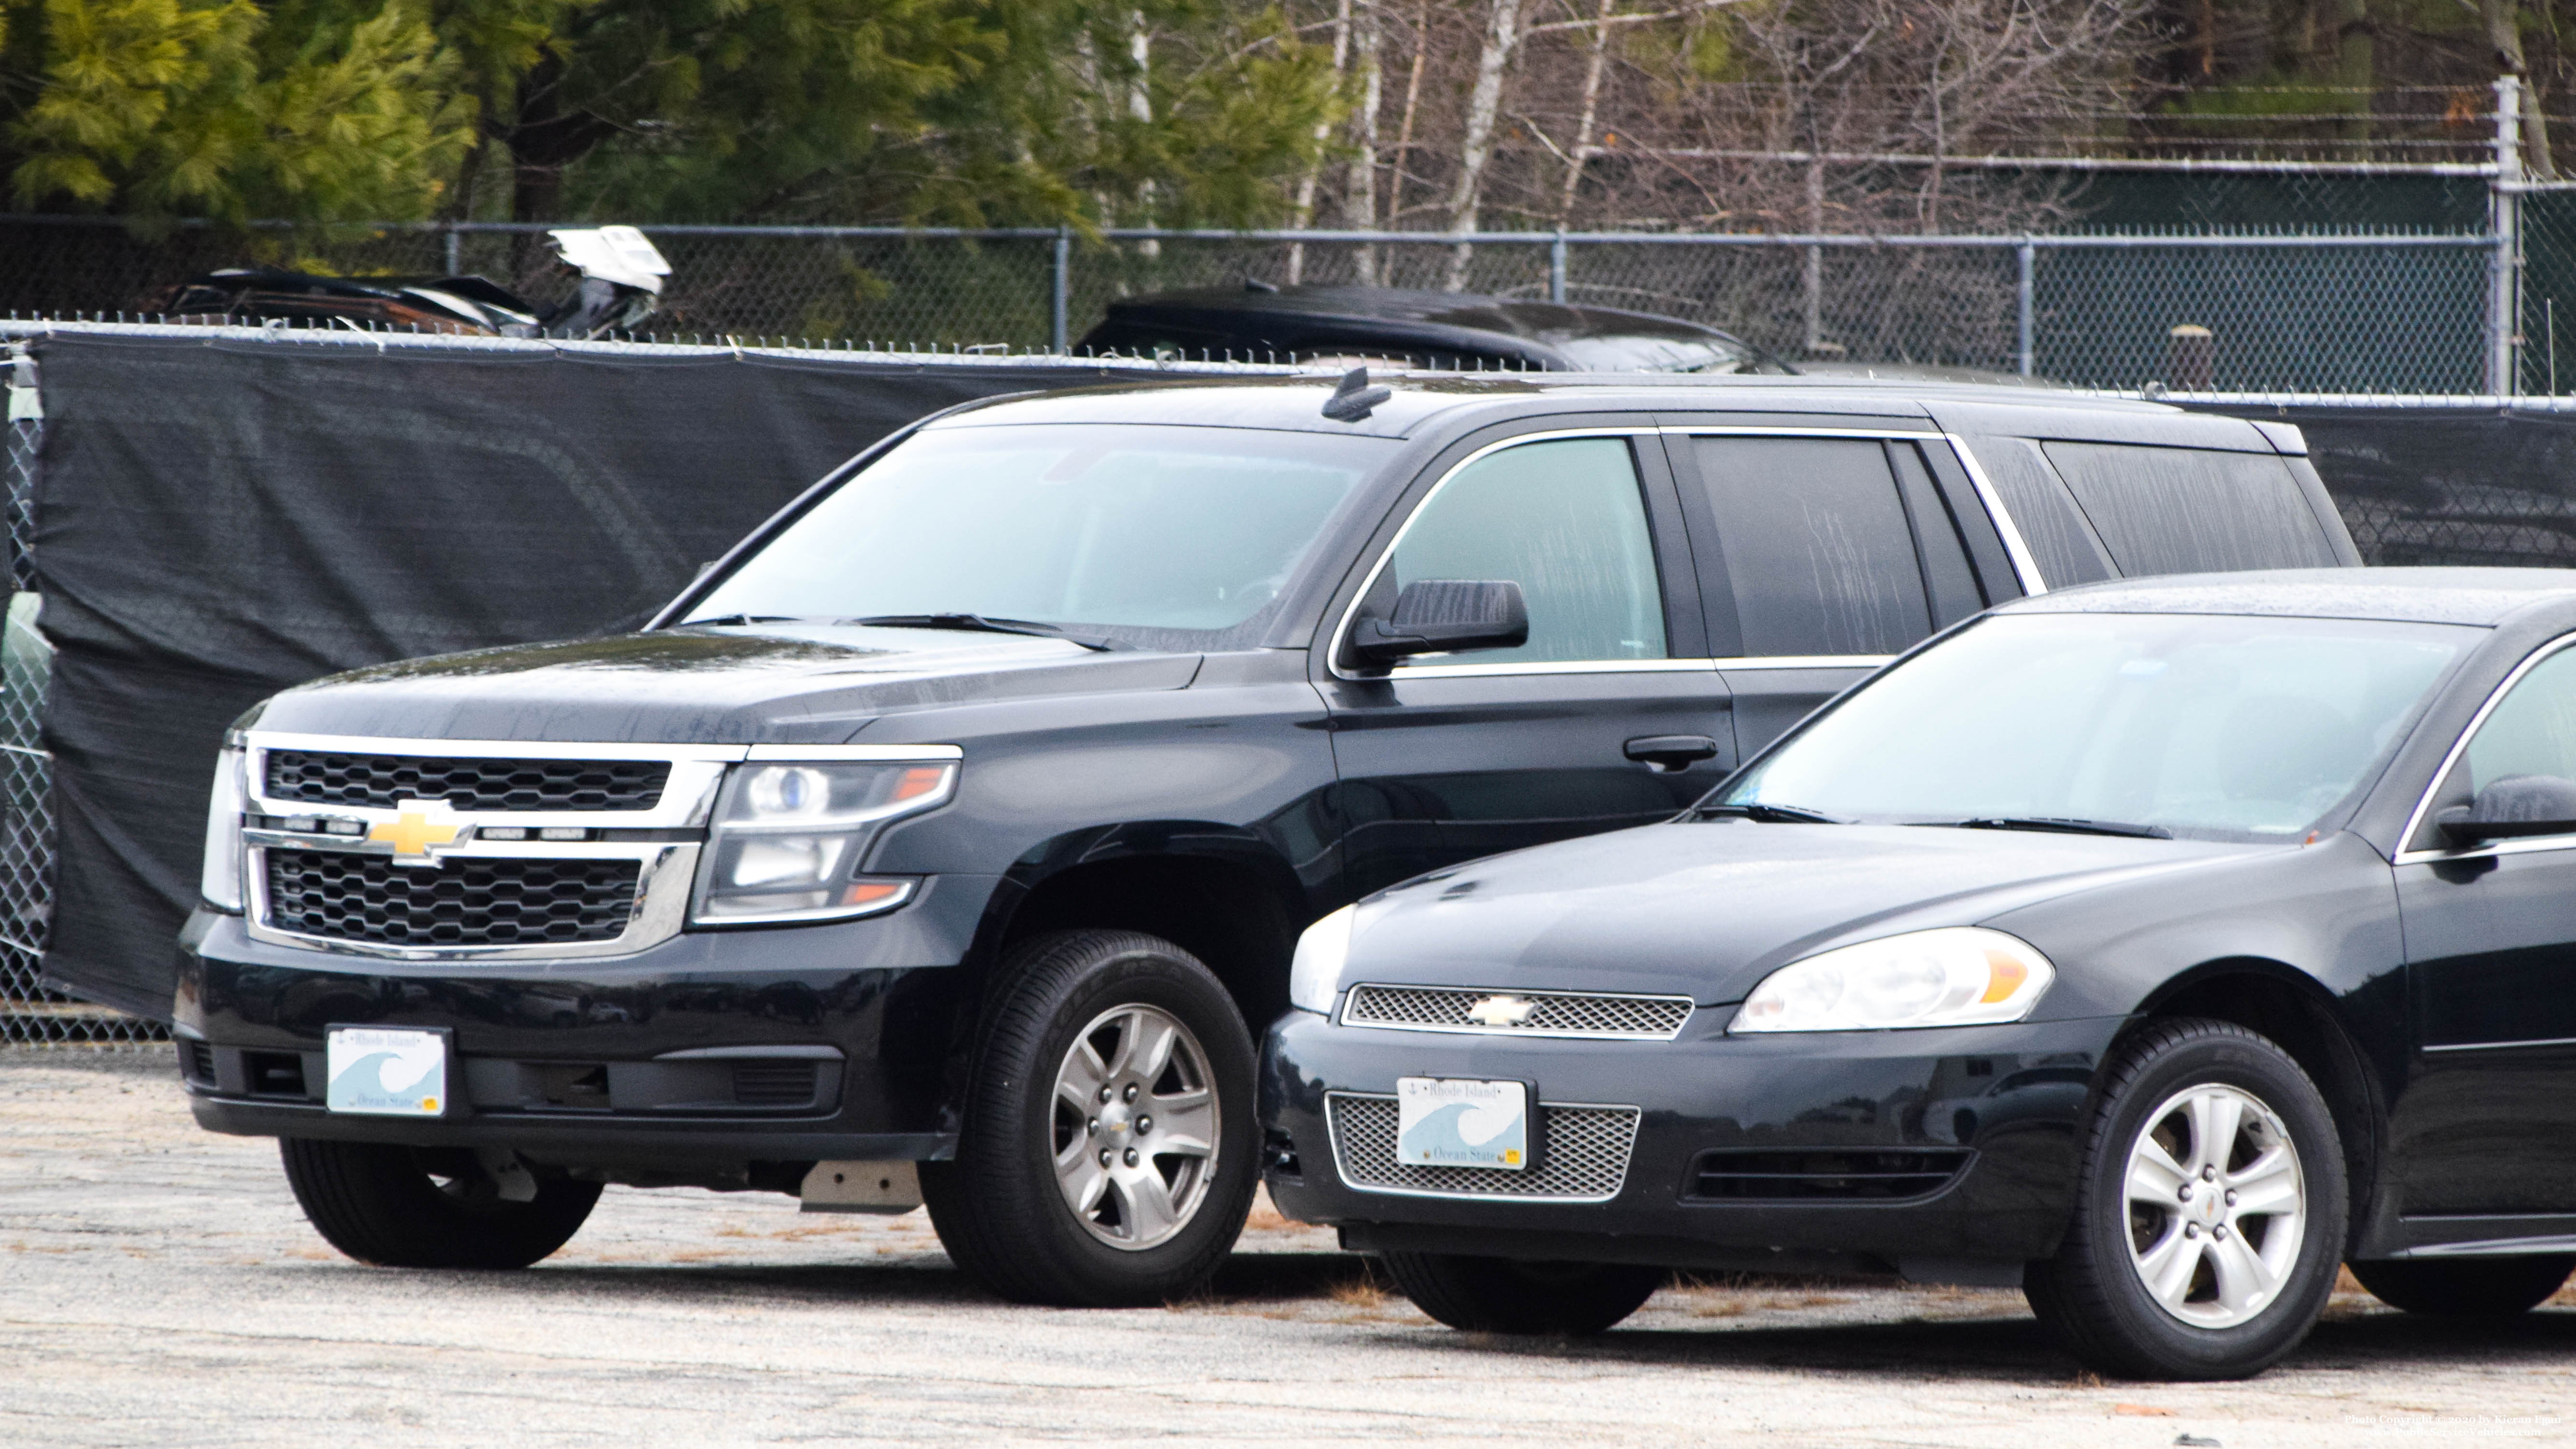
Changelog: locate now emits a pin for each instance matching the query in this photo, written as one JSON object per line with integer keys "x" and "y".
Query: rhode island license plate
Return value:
{"x": 387, "y": 1072}
{"x": 1453, "y": 1122}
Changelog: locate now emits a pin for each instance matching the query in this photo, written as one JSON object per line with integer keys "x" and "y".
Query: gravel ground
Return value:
{"x": 157, "y": 1285}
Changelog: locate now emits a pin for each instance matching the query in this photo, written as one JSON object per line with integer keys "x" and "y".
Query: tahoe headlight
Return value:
{"x": 1315, "y": 972}
{"x": 789, "y": 837}
{"x": 219, "y": 880}
{"x": 1953, "y": 976}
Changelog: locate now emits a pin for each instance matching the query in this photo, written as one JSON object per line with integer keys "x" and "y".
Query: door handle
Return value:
{"x": 1671, "y": 754}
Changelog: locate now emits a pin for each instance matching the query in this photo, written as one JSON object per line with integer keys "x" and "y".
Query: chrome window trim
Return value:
{"x": 664, "y": 874}
{"x": 1689, "y": 1008}
{"x": 2024, "y": 564}
{"x": 2451, "y": 758}
{"x": 1333, "y": 1144}
{"x": 1342, "y": 632}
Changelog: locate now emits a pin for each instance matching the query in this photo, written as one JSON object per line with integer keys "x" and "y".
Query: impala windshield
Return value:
{"x": 2207, "y": 726}
{"x": 1162, "y": 536}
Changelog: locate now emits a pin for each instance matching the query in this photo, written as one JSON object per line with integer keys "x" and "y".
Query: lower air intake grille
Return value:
{"x": 1583, "y": 1154}
{"x": 196, "y": 1061}
{"x": 1533, "y": 1013}
{"x": 773, "y": 1084}
{"x": 493, "y": 901}
{"x": 1825, "y": 1176}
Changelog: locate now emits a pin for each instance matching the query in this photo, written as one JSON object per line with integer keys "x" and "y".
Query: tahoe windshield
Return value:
{"x": 1160, "y": 536}
{"x": 2212, "y": 727}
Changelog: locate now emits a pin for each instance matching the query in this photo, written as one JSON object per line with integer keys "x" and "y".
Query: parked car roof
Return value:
{"x": 1258, "y": 323}
{"x": 2410, "y": 595}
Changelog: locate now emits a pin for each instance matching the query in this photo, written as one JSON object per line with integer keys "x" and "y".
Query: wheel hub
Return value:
{"x": 2217, "y": 1205}
{"x": 1136, "y": 1117}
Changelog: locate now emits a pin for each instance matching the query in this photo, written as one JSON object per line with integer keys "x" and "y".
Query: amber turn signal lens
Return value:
{"x": 920, "y": 781}
{"x": 871, "y": 892}
{"x": 2004, "y": 976}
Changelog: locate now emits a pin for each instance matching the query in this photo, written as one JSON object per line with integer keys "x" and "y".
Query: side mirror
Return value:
{"x": 2515, "y": 806}
{"x": 1441, "y": 616}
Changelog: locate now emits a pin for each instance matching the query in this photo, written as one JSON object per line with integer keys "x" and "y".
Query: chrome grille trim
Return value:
{"x": 1583, "y": 1154}
{"x": 664, "y": 873}
{"x": 666, "y": 867}
{"x": 1584, "y": 1015}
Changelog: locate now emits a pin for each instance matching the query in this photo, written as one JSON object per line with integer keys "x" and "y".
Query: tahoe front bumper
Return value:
{"x": 1947, "y": 1155}
{"x": 693, "y": 1057}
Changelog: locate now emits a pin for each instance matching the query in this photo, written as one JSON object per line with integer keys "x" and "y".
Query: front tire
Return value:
{"x": 2209, "y": 1211}
{"x": 2465, "y": 1287}
{"x": 1108, "y": 1154}
{"x": 407, "y": 1207}
{"x": 1499, "y": 1295}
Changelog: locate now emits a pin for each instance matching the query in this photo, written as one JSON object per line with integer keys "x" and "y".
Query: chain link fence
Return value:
{"x": 2366, "y": 313}
{"x": 29, "y": 1013}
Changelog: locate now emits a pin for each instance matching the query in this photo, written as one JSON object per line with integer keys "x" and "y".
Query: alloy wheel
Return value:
{"x": 1135, "y": 1126}
{"x": 2217, "y": 1205}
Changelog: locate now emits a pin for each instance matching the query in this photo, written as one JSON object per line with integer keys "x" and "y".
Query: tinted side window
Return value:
{"x": 2193, "y": 510}
{"x": 1567, "y": 522}
{"x": 2060, "y": 541}
{"x": 1818, "y": 553}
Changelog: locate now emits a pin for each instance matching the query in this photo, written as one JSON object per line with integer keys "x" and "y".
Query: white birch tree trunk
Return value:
{"x": 1594, "y": 65}
{"x": 1304, "y": 213}
{"x": 1140, "y": 106}
{"x": 1484, "y": 106}
{"x": 1359, "y": 193}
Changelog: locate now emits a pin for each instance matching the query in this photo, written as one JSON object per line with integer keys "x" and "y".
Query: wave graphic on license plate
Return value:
{"x": 1449, "y": 1122}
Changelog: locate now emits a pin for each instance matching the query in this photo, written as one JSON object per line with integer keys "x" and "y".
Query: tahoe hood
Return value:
{"x": 766, "y": 684}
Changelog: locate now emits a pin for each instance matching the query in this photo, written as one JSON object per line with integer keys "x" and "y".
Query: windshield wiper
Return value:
{"x": 1771, "y": 814}
{"x": 982, "y": 625}
{"x": 749, "y": 619}
{"x": 2061, "y": 825}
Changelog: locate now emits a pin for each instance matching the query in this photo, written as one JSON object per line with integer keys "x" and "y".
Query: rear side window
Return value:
{"x": 2193, "y": 510}
{"x": 1820, "y": 557}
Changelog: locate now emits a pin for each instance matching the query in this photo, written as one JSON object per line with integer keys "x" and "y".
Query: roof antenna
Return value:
{"x": 1355, "y": 399}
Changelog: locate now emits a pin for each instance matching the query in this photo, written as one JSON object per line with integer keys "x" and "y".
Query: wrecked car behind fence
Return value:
{"x": 219, "y": 516}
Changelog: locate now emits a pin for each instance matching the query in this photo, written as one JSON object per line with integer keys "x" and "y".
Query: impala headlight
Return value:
{"x": 1954, "y": 976}
{"x": 789, "y": 837}
{"x": 1315, "y": 973}
{"x": 220, "y": 879}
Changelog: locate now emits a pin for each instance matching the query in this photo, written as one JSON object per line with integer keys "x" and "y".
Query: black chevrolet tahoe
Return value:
{"x": 939, "y": 844}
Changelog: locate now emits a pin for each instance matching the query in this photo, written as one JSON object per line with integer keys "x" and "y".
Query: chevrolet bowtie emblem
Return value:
{"x": 1501, "y": 1010}
{"x": 422, "y": 825}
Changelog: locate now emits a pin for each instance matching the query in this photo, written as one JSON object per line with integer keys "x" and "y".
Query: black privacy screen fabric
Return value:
{"x": 219, "y": 520}
{"x": 2443, "y": 486}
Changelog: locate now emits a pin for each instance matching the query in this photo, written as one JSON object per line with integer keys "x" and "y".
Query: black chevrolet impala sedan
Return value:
{"x": 2156, "y": 946}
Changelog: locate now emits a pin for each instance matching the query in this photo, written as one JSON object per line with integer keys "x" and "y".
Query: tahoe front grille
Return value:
{"x": 1517, "y": 1013}
{"x": 384, "y": 781}
{"x": 1825, "y": 1176}
{"x": 467, "y": 901}
{"x": 1582, "y": 1156}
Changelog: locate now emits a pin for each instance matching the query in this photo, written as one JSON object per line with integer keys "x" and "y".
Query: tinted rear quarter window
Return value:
{"x": 2053, "y": 528}
{"x": 2193, "y": 510}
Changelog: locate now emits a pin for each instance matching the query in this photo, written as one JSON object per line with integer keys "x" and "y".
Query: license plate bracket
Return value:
{"x": 380, "y": 1071}
{"x": 1462, "y": 1122}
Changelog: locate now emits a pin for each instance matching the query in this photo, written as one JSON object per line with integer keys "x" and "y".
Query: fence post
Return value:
{"x": 1063, "y": 287}
{"x": 2504, "y": 214}
{"x": 455, "y": 260}
{"x": 1556, "y": 268}
{"x": 2026, "y": 303}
